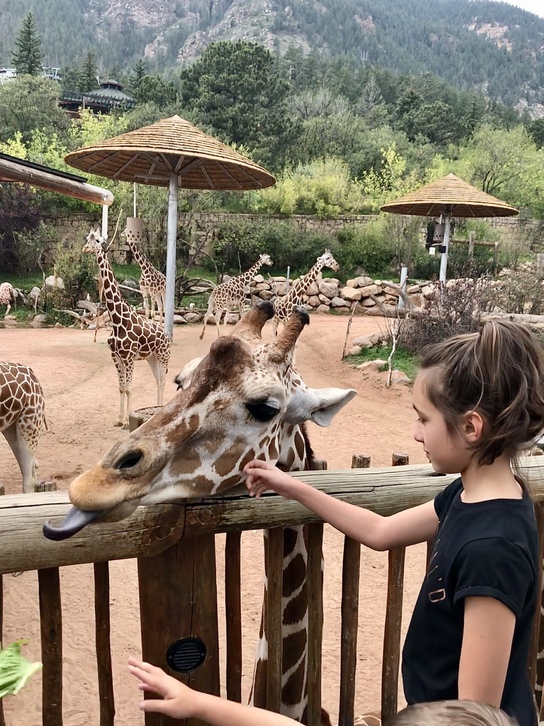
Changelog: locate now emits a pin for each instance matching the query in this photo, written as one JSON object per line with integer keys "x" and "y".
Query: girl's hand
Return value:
{"x": 179, "y": 701}
{"x": 263, "y": 475}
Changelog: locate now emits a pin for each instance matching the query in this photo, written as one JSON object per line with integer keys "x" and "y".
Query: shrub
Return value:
{"x": 456, "y": 308}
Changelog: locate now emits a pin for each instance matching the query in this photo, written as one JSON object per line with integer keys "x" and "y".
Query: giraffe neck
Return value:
{"x": 113, "y": 298}
{"x": 294, "y": 616}
{"x": 247, "y": 276}
{"x": 141, "y": 258}
{"x": 304, "y": 282}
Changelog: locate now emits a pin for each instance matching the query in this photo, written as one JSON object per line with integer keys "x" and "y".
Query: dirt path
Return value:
{"x": 80, "y": 386}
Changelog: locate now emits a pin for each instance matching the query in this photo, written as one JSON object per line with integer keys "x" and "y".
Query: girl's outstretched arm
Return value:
{"x": 180, "y": 701}
{"x": 379, "y": 533}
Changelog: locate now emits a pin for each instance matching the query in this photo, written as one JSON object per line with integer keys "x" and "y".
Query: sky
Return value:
{"x": 533, "y": 6}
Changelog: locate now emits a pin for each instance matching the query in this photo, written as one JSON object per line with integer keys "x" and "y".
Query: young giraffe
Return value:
{"x": 7, "y": 296}
{"x": 230, "y": 293}
{"x": 22, "y": 417}
{"x": 132, "y": 337}
{"x": 243, "y": 400}
{"x": 152, "y": 281}
{"x": 284, "y": 306}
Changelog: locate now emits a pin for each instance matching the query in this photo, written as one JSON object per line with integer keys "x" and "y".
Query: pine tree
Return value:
{"x": 88, "y": 76}
{"x": 27, "y": 58}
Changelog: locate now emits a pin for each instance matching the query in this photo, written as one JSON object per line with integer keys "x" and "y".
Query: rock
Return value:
{"x": 259, "y": 279}
{"x": 370, "y": 290}
{"x": 368, "y": 302}
{"x": 413, "y": 289}
{"x": 192, "y": 318}
{"x": 400, "y": 378}
{"x": 54, "y": 281}
{"x": 312, "y": 289}
{"x": 38, "y": 320}
{"x": 350, "y": 293}
{"x": 354, "y": 350}
{"x": 328, "y": 288}
{"x": 361, "y": 281}
{"x": 338, "y": 302}
{"x": 372, "y": 365}
{"x": 363, "y": 341}
{"x": 314, "y": 301}
{"x": 266, "y": 295}
{"x": 322, "y": 309}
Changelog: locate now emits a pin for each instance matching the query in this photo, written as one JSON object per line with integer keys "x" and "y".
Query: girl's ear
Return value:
{"x": 473, "y": 426}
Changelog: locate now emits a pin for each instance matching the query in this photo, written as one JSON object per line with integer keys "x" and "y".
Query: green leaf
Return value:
{"x": 15, "y": 669}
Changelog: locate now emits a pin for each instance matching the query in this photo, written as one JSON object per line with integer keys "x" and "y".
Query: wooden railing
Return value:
{"x": 181, "y": 538}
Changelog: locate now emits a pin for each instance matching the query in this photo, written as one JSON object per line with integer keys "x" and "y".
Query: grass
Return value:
{"x": 403, "y": 360}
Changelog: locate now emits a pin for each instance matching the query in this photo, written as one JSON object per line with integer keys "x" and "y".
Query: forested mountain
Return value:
{"x": 491, "y": 47}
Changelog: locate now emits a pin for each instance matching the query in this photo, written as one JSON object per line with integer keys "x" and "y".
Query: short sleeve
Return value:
{"x": 495, "y": 568}
{"x": 443, "y": 499}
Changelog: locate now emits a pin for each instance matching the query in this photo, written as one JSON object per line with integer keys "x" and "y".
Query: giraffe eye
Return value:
{"x": 262, "y": 411}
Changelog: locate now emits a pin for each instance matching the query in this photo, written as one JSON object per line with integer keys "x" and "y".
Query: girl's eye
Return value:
{"x": 262, "y": 411}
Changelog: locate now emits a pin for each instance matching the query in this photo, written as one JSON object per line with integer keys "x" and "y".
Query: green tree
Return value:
{"x": 30, "y": 103}
{"x": 237, "y": 91}
{"x": 88, "y": 76}
{"x": 27, "y": 57}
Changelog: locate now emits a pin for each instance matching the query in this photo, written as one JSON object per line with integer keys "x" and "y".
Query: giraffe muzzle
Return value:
{"x": 73, "y": 522}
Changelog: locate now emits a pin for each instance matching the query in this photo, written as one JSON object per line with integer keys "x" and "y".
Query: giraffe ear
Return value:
{"x": 319, "y": 405}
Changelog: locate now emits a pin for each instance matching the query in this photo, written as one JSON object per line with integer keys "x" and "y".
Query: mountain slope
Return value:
{"x": 490, "y": 46}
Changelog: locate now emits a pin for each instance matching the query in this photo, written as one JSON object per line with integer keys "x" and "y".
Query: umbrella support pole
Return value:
{"x": 171, "y": 255}
{"x": 444, "y": 257}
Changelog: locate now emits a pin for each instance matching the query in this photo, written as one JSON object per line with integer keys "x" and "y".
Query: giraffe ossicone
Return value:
{"x": 230, "y": 294}
{"x": 22, "y": 417}
{"x": 243, "y": 400}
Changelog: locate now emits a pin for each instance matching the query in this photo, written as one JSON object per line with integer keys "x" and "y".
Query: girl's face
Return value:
{"x": 447, "y": 452}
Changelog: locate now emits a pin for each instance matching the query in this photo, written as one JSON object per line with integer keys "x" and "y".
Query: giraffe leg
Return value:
{"x": 217, "y": 317}
{"x": 8, "y": 308}
{"x": 129, "y": 371}
{"x": 24, "y": 454}
{"x": 159, "y": 372}
{"x": 145, "y": 301}
{"x": 209, "y": 311}
{"x": 122, "y": 376}
{"x": 152, "y": 306}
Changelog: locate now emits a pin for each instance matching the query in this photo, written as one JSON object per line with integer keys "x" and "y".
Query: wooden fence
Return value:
{"x": 181, "y": 538}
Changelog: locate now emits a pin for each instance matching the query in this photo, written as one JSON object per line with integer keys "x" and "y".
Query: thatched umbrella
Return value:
{"x": 173, "y": 153}
{"x": 449, "y": 197}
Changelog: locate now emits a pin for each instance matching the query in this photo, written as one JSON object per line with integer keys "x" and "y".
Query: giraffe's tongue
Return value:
{"x": 73, "y": 522}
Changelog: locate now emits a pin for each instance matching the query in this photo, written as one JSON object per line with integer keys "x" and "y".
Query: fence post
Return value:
{"x": 393, "y": 622}
{"x": 350, "y": 616}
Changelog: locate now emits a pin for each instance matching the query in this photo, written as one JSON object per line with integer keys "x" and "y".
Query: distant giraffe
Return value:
{"x": 7, "y": 296}
{"x": 22, "y": 417}
{"x": 132, "y": 337}
{"x": 152, "y": 281}
{"x": 284, "y": 306}
{"x": 230, "y": 293}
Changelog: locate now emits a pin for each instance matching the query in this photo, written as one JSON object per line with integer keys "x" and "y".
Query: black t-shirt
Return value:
{"x": 485, "y": 549}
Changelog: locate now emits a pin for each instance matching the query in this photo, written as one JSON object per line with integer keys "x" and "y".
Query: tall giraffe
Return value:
{"x": 284, "y": 306}
{"x": 230, "y": 293}
{"x": 152, "y": 281}
{"x": 22, "y": 417}
{"x": 243, "y": 400}
{"x": 132, "y": 337}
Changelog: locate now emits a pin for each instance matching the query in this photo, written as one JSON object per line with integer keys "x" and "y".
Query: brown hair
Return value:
{"x": 498, "y": 372}
{"x": 451, "y": 713}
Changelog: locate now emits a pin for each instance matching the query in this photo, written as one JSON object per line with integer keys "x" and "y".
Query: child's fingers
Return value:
{"x": 156, "y": 705}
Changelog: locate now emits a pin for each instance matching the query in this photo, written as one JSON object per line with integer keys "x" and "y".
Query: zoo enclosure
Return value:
{"x": 181, "y": 538}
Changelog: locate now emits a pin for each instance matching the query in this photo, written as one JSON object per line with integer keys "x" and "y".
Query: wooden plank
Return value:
{"x": 274, "y": 576}
{"x": 349, "y": 628}
{"x": 314, "y": 580}
{"x": 152, "y": 529}
{"x": 103, "y": 643}
{"x": 51, "y": 642}
{"x": 233, "y": 613}
{"x": 169, "y": 612}
{"x": 146, "y": 532}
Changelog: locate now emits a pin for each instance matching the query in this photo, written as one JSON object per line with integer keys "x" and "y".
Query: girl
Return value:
{"x": 479, "y": 399}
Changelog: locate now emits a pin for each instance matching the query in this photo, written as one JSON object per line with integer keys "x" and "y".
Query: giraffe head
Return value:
{"x": 265, "y": 259}
{"x": 94, "y": 242}
{"x": 327, "y": 260}
{"x": 243, "y": 400}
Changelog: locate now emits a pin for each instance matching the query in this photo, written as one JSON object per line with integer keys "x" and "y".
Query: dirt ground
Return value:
{"x": 80, "y": 386}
